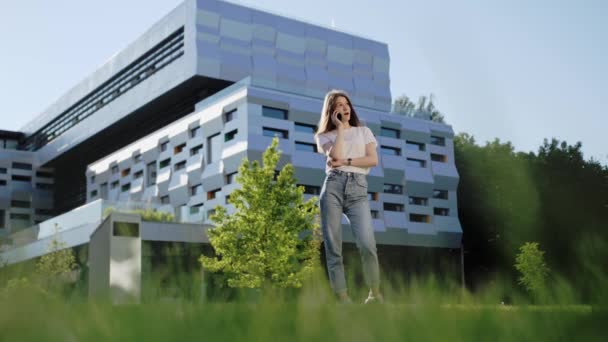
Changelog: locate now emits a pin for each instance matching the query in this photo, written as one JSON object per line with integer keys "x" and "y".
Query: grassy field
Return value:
{"x": 420, "y": 311}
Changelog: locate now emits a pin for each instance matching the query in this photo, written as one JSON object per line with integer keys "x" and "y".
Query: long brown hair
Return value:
{"x": 325, "y": 123}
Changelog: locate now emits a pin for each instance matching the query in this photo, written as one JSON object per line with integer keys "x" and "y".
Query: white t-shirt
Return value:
{"x": 355, "y": 139}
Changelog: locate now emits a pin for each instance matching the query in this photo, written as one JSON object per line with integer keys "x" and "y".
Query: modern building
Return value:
{"x": 167, "y": 121}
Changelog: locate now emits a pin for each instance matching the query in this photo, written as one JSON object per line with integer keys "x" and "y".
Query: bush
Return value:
{"x": 149, "y": 215}
{"x": 531, "y": 265}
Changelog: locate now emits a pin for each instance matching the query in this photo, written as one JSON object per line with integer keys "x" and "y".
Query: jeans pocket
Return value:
{"x": 361, "y": 181}
{"x": 331, "y": 176}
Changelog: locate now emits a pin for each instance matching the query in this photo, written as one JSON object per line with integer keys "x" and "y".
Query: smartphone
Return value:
{"x": 339, "y": 116}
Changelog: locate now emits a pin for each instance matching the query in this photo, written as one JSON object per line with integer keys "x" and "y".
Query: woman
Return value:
{"x": 351, "y": 151}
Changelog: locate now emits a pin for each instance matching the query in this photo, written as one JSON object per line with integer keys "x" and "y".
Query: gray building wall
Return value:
{"x": 195, "y": 157}
{"x": 26, "y": 191}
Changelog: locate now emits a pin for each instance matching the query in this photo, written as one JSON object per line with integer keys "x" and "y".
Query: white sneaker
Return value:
{"x": 371, "y": 299}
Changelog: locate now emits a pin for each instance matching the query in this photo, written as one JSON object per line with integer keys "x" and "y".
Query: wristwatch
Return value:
{"x": 349, "y": 160}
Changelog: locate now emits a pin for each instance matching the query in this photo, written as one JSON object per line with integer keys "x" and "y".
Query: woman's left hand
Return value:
{"x": 334, "y": 163}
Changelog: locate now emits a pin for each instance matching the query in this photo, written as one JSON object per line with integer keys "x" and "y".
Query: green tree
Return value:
{"x": 273, "y": 237}
{"x": 425, "y": 108}
{"x": 56, "y": 267}
{"x": 403, "y": 105}
{"x": 530, "y": 263}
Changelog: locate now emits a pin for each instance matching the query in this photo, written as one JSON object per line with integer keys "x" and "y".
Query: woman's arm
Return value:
{"x": 370, "y": 159}
{"x": 336, "y": 150}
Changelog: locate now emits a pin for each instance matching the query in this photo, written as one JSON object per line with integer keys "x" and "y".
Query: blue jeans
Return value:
{"x": 346, "y": 192}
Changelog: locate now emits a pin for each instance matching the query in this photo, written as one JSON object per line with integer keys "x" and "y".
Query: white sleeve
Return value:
{"x": 369, "y": 136}
{"x": 322, "y": 139}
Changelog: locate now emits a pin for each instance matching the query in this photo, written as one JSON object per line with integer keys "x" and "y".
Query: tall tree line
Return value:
{"x": 554, "y": 197}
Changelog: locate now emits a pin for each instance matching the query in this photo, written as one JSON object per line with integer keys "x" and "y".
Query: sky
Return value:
{"x": 515, "y": 70}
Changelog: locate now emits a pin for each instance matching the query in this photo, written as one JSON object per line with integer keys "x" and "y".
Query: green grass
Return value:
{"x": 423, "y": 310}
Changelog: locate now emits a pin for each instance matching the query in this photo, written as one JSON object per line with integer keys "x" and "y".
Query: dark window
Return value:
{"x": 412, "y": 162}
{"x": 2, "y": 170}
{"x": 151, "y": 173}
{"x": 125, "y": 172}
{"x": 179, "y": 148}
{"x": 21, "y": 204}
{"x": 44, "y": 186}
{"x": 114, "y": 185}
{"x": 20, "y": 217}
{"x": 212, "y": 194}
{"x": 274, "y": 113}
{"x": 196, "y": 189}
{"x": 420, "y": 218}
{"x": 441, "y": 194}
{"x": 418, "y": 200}
{"x": 2, "y": 182}
{"x": 195, "y": 150}
{"x": 2, "y": 220}
{"x": 22, "y": 166}
{"x": 127, "y": 229}
{"x": 414, "y": 146}
{"x": 138, "y": 174}
{"x": 441, "y": 211}
{"x": 227, "y": 197}
{"x": 93, "y": 193}
{"x": 272, "y": 132}
{"x": 210, "y": 212}
{"x": 440, "y": 141}
{"x": 438, "y": 158}
{"x": 164, "y": 163}
{"x": 393, "y": 189}
{"x": 195, "y": 209}
{"x": 393, "y": 207}
{"x": 137, "y": 158}
{"x": 21, "y": 178}
{"x": 302, "y": 146}
{"x": 195, "y": 132}
{"x": 372, "y": 196}
{"x": 231, "y": 177}
{"x": 311, "y": 189}
{"x": 180, "y": 165}
{"x": 114, "y": 169}
{"x": 375, "y": 214}
{"x": 389, "y": 132}
{"x": 230, "y": 135}
{"x": 305, "y": 128}
{"x": 229, "y": 116}
{"x": 125, "y": 187}
{"x": 43, "y": 174}
{"x": 165, "y": 200}
{"x": 390, "y": 151}
{"x": 92, "y": 179}
{"x": 164, "y": 146}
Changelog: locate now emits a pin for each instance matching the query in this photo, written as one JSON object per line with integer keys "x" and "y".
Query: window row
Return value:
{"x": 398, "y": 207}
{"x": 396, "y": 134}
{"x": 398, "y": 189}
{"x": 27, "y": 167}
{"x": 148, "y": 64}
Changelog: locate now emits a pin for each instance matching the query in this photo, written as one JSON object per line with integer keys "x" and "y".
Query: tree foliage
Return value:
{"x": 147, "y": 214}
{"x": 506, "y": 198}
{"x": 57, "y": 266}
{"x": 424, "y": 109}
{"x": 272, "y": 238}
{"x": 530, "y": 262}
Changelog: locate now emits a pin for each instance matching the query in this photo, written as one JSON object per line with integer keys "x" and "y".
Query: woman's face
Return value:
{"x": 342, "y": 106}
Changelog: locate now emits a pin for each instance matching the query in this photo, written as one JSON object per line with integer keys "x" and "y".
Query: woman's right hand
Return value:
{"x": 334, "y": 119}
